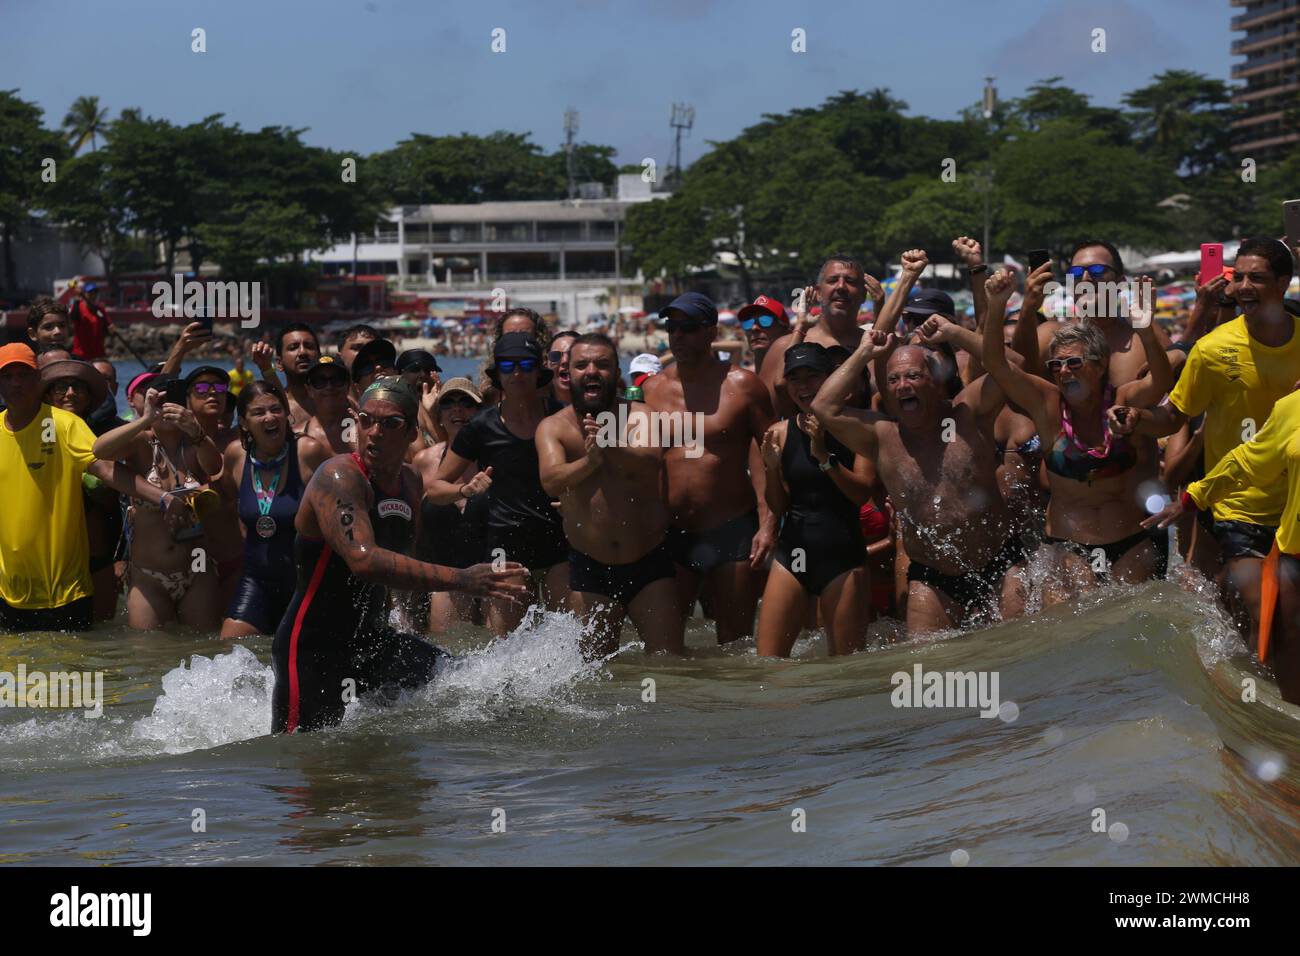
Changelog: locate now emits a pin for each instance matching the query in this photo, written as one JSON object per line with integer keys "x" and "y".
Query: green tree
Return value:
{"x": 25, "y": 144}
{"x": 85, "y": 120}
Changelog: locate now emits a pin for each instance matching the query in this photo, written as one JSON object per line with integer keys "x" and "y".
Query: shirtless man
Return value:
{"x": 956, "y": 529}
{"x": 334, "y": 424}
{"x": 613, "y": 501}
{"x": 721, "y": 532}
{"x": 842, "y": 287}
{"x": 297, "y": 348}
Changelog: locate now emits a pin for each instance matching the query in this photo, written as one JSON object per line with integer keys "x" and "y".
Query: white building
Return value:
{"x": 557, "y": 256}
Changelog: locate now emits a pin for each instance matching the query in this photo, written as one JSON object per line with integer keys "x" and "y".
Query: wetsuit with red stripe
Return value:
{"x": 334, "y": 641}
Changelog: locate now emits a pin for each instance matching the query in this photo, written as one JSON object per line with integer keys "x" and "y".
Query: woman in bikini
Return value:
{"x": 1095, "y": 515}
{"x": 451, "y": 534}
{"x": 172, "y": 576}
{"x": 266, "y": 469}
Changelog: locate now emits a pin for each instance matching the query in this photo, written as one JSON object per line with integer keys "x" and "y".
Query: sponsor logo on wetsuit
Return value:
{"x": 75, "y": 908}
{"x": 394, "y": 506}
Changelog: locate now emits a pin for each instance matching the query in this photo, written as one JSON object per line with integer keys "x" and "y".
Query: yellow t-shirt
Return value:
{"x": 239, "y": 379}
{"x": 44, "y": 550}
{"x": 1235, "y": 381}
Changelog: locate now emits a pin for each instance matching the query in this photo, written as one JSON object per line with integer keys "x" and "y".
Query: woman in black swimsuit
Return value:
{"x": 451, "y": 535}
{"x": 1095, "y": 513}
{"x": 819, "y": 486}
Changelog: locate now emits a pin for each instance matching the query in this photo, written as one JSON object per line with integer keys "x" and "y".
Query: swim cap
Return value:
{"x": 398, "y": 391}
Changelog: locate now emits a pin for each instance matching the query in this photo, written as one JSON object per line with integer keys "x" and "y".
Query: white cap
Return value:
{"x": 645, "y": 362}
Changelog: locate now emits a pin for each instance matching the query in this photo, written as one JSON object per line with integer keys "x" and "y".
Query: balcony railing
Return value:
{"x": 1260, "y": 63}
{"x": 1285, "y": 29}
{"x": 1240, "y": 21}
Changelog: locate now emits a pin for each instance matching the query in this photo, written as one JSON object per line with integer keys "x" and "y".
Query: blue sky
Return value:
{"x": 363, "y": 74}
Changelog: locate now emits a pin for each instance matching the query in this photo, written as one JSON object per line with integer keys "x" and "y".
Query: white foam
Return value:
{"x": 215, "y": 701}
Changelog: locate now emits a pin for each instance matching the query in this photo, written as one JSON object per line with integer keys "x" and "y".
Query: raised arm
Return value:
{"x": 116, "y": 442}
{"x": 914, "y": 262}
{"x": 445, "y": 488}
{"x": 1025, "y": 337}
{"x": 194, "y": 335}
{"x": 1149, "y": 389}
{"x": 340, "y": 503}
{"x": 849, "y": 425}
{"x": 1030, "y": 392}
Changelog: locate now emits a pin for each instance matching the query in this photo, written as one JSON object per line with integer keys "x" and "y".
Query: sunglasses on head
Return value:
{"x": 1096, "y": 270}
{"x": 1073, "y": 363}
{"x": 764, "y": 321}
{"x": 683, "y": 325}
{"x": 389, "y": 423}
{"x": 202, "y": 388}
{"x": 508, "y": 366}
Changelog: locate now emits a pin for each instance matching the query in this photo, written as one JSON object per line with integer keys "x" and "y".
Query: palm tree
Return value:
{"x": 85, "y": 121}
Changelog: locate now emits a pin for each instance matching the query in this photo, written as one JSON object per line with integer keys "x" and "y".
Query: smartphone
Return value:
{"x": 1037, "y": 257}
{"x": 175, "y": 392}
{"x": 1211, "y": 261}
{"x": 1291, "y": 216}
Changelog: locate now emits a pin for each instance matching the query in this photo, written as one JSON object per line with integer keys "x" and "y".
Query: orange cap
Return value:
{"x": 17, "y": 352}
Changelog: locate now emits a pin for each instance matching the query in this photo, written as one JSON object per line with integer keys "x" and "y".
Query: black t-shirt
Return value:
{"x": 516, "y": 496}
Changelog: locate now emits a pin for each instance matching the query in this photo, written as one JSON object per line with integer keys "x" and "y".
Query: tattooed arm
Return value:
{"x": 339, "y": 498}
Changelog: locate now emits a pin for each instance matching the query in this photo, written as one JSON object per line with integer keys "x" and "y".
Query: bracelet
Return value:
{"x": 1188, "y": 502}
{"x": 976, "y": 270}
{"x": 460, "y": 491}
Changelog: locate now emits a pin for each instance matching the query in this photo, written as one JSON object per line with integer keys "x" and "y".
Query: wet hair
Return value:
{"x": 360, "y": 328}
{"x": 597, "y": 338}
{"x": 42, "y": 306}
{"x": 294, "y": 327}
{"x": 256, "y": 390}
{"x": 1093, "y": 340}
{"x": 540, "y": 332}
{"x": 845, "y": 259}
{"x": 1116, "y": 259}
{"x": 1272, "y": 250}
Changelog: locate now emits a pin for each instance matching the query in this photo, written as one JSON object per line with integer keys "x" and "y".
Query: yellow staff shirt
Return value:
{"x": 44, "y": 550}
{"x": 1235, "y": 381}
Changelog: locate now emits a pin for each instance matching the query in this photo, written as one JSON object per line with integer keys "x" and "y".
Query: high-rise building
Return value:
{"x": 1269, "y": 77}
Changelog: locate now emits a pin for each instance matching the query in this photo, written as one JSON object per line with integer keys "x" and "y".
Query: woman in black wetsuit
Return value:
{"x": 819, "y": 486}
{"x": 451, "y": 535}
{"x": 522, "y": 525}
{"x": 266, "y": 469}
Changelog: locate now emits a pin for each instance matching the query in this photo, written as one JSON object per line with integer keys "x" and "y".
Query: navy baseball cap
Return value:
{"x": 929, "y": 302}
{"x": 693, "y": 305}
{"x": 417, "y": 360}
{"x": 378, "y": 353}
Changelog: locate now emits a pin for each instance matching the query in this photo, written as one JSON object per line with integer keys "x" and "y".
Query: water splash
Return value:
{"x": 216, "y": 700}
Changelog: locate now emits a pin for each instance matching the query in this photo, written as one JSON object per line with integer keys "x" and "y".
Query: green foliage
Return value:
{"x": 24, "y": 144}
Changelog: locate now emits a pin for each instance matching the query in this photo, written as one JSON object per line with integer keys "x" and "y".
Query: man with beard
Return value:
{"x": 721, "y": 530}
{"x": 297, "y": 348}
{"x": 1233, "y": 376}
{"x": 763, "y": 321}
{"x": 937, "y": 460}
{"x": 611, "y": 488}
{"x": 842, "y": 287}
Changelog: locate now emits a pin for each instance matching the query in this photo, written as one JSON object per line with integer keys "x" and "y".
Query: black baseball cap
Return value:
{"x": 417, "y": 360}
{"x": 205, "y": 370}
{"x": 514, "y": 346}
{"x": 693, "y": 305}
{"x": 929, "y": 302}
{"x": 325, "y": 362}
{"x": 377, "y": 353}
{"x": 807, "y": 355}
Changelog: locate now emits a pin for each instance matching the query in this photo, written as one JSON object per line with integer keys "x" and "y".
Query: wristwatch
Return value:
{"x": 826, "y": 465}
{"x": 976, "y": 270}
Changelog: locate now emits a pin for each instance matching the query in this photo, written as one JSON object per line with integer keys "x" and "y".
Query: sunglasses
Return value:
{"x": 508, "y": 366}
{"x": 1096, "y": 271}
{"x": 390, "y": 423}
{"x": 683, "y": 325}
{"x": 555, "y": 357}
{"x": 69, "y": 384}
{"x": 322, "y": 382}
{"x": 1073, "y": 363}
{"x": 457, "y": 401}
{"x": 202, "y": 388}
{"x": 763, "y": 321}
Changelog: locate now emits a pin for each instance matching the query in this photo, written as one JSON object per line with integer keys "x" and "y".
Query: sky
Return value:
{"x": 361, "y": 75}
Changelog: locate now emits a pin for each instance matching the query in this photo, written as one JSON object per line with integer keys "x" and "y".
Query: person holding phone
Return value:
{"x": 172, "y": 576}
{"x": 1095, "y": 516}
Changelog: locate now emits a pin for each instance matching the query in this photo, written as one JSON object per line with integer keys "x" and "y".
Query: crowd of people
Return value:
{"x": 353, "y": 505}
